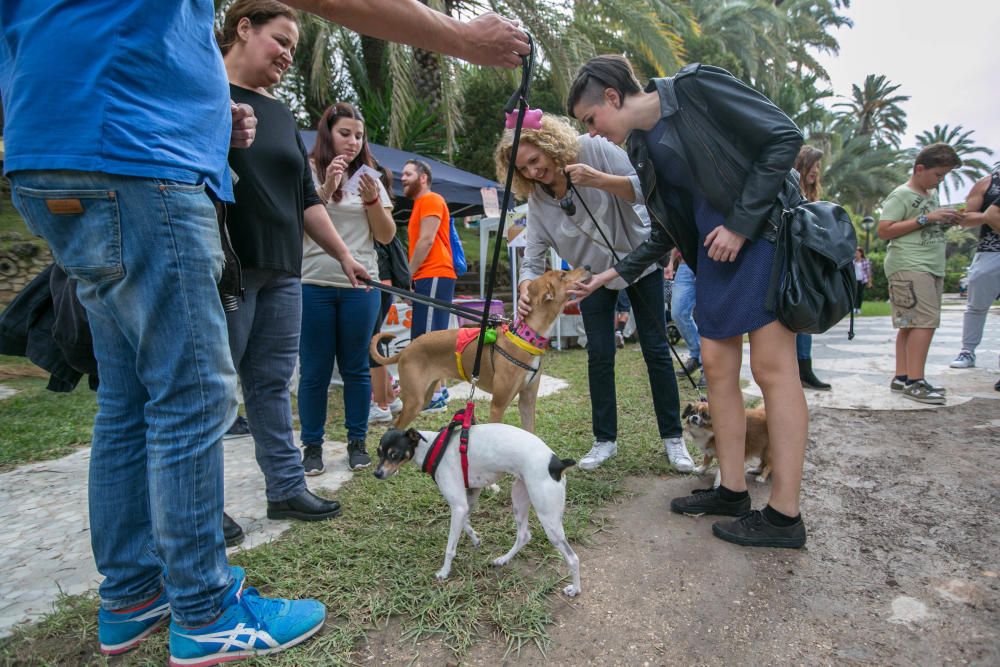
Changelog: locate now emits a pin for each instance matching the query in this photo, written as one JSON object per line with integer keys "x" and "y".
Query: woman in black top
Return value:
{"x": 712, "y": 155}
{"x": 276, "y": 203}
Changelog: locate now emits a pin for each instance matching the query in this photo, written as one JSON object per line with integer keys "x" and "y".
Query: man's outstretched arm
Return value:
{"x": 488, "y": 39}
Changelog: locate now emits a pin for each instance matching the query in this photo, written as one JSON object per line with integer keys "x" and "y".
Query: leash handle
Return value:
{"x": 520, "y": 100}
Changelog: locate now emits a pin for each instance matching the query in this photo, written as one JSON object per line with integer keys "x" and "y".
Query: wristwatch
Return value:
{"x": 922, "y": 219}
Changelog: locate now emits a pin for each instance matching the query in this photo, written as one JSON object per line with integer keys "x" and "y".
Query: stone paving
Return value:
{"x": 46, "y": 551}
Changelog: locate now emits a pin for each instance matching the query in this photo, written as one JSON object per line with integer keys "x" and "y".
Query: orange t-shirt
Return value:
{"x": 439, "y": 262}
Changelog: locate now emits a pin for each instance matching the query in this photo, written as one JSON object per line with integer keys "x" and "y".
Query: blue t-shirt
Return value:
{"x": 134, "y": 88}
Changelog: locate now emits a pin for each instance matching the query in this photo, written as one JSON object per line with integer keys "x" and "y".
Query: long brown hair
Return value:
{"x": 259, "y": 12}
{"x": 322, "y": 153}
{"x": 809, "y": 156}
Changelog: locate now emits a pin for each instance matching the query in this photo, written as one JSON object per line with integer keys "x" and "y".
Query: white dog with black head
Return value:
{"x": 494, "y": 450}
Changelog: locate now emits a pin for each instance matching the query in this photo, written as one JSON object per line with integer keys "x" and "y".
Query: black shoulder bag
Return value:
{"x": 812, "y": 283}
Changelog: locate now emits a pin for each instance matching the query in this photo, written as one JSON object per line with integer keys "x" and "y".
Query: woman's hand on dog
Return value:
{"x": 582, "y": 289}
{"x": 523, "y": 300}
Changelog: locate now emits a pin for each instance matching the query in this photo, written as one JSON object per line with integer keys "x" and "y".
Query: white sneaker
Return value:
{"x": 678, "y": 454}
{"x": 377, "y": 415}
{"x": 598, "y": 454}
{"x": 396, "y": 406}
{"x": 965, "y": 359}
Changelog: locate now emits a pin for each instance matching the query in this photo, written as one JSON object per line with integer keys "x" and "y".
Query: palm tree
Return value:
{"x": 972, "y": 168}
{"x": 874, "y": 110}
{"x": 861, "y": 175}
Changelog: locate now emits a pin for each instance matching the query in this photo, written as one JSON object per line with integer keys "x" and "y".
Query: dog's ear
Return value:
{"x": 414, "y": 435}
{"x": 688, "y": 410}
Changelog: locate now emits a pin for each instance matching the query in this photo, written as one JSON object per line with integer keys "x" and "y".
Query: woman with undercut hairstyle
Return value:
{"x": 712, "y": 155}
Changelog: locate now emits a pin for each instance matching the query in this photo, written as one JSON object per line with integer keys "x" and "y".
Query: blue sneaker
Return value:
{"x": 439, "y": 402}
{"x": 119, "y": 632}
{"x": 248, "y": 626}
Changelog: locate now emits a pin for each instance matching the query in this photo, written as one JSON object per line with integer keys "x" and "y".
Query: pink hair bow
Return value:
{"x": 532, "y": 119}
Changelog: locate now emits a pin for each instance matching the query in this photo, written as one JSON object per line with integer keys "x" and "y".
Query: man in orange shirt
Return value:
{"x": 431, "y": 263}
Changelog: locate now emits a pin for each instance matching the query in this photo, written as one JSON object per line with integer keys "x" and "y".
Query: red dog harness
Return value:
{"x": 464, "y": 418}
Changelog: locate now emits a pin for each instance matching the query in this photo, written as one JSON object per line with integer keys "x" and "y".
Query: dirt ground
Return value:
{"x": 901, "y": 566}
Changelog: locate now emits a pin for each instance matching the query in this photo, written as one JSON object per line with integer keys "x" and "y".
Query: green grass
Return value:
{"x": 37, "y": 424}
{"x": 377, "y": 561}
{"x": 875, "y": 309}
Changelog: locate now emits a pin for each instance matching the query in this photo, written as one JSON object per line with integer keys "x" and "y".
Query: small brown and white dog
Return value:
{"x": 432, "y": 357}
{"x": 698, "y": 424}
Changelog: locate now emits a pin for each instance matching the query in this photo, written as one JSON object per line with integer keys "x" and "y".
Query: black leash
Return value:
{"x": 454, "y": 308}
{"x": 611, "y": 248}
{"x": 519, "y": 100}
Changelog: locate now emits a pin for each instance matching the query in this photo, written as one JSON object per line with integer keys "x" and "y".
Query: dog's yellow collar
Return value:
{"x": 523, "y": 344}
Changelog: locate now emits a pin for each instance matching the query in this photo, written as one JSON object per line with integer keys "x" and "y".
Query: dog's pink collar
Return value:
{"x": 529, "y": 335}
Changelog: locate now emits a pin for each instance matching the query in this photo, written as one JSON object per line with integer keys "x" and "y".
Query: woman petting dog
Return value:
{"x": 562, "y": 175}
{"x": 712, "y": 154}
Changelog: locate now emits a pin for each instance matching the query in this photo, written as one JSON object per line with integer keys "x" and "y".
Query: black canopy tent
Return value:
{"x": 459, "y": 188}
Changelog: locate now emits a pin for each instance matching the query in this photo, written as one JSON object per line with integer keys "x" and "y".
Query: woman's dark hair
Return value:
{"x": 322, "y": 153}
{"x": 259, "y": 12}
{"x": 598, "y": 74}
{"x": 861, "y": 250}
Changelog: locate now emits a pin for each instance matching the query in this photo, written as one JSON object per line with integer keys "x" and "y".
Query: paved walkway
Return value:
{"x": 43, "y": 506}
{"x": 860, "y": 369}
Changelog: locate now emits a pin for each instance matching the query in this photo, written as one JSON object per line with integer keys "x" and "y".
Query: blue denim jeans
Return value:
{"x": 336, "y": 324}
{"x": 804, "y": 346}
{"x": 682, "y": 308}
{"x": 147, "y": 257}
{"x": 426, "y": 318}
{"x": 598, "y": 311}
{"x": 264, "y": 339}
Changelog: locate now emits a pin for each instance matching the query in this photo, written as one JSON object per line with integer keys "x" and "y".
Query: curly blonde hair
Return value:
{"x": 557, "y": 138}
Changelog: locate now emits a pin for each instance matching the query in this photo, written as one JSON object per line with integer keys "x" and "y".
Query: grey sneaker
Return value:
{"x": 897, "y": 385}
{"x": 922, "y": 392}
{"x": 377, "y": 415}
{"x": 965, "y": 359}
{"x": 677, "y": 452}
{"x": 598, "y": 454}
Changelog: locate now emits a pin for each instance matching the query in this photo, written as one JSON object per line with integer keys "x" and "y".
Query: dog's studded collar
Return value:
{"x": 527, "y": 338}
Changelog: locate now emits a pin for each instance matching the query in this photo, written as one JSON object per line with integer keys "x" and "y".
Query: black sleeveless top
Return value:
{"x": 989, "y": 240}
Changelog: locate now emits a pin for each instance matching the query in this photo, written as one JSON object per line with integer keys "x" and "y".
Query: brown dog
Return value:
{"x": 432, "y": 357}
{"x": 698, "y": 423}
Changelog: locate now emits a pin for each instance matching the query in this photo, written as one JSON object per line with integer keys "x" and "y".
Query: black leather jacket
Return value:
{"x": 740, "y": 148}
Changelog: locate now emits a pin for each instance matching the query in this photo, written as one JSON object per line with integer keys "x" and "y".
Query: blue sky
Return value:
{"x": 944, "y": 55}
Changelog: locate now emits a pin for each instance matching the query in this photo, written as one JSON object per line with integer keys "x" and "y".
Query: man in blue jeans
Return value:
{"x": 118, "y": 123}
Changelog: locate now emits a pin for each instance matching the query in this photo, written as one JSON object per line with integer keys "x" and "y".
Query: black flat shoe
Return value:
{"x": 231, "y": 530}
{"x": 306, "y": 506}
{"x": 754, "y": 530}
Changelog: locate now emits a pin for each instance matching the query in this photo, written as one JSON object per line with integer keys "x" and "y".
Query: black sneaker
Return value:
{"x": 239, "y": 428}
{"x": 707, "y": 501}
{"x": 231, "y": 530}
{"x": 312, "y": 460}
{"x": 692, "y": 364}
{"x": 754, "y": 530}
{"x": 357, "y": 457}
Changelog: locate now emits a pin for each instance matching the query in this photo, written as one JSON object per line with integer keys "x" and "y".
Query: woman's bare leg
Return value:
{"x": 775, "y": 369}
{"x": 722, "y": 360}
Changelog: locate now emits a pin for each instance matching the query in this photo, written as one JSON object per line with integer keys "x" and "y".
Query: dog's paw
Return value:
{"x": 571, "y": 591}
{"x": 442, "y": 574}
{"x": 493, "y": 488}
{"x": 500, "y": 562}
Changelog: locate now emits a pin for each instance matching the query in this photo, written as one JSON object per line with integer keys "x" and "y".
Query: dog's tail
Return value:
{"x": 557, "y": 466}
{"x": 377, "y": 355}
